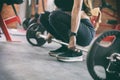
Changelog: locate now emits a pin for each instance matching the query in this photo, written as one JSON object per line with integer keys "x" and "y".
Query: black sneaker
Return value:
{"x": 60, "y": 50}
{"x": 70, "y": 56}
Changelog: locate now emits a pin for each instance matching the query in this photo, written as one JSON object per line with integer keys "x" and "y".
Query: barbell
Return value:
{"x": 36, "y": 31}
{"x": 39, "y": 35}
{"x": 100, "y": 52}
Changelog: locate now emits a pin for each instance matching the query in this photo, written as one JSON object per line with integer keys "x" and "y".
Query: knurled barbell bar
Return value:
{"x": 36, "y": 31}
{"x": 39, "y": 35}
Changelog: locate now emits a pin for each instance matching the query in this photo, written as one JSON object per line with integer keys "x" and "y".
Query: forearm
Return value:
{"x": 75, "y": 21}
{"x": 76, "y": 15}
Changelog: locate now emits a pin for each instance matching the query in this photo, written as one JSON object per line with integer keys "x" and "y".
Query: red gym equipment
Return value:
{"x": 4, "y": 22}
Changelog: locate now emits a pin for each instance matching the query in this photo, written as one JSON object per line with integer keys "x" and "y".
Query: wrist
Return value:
{"x": 73, "y": 34}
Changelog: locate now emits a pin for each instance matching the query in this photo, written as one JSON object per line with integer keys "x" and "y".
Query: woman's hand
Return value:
{"x": 49, "y": 38}
{"x": 72, "y": 43}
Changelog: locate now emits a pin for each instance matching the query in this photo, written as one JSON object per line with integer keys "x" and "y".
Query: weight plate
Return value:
{"x": 31, "y": 36}
{"x": 32, "y": 20}
{"x": 97, "y": 61}
{"x": 25, "y": 23}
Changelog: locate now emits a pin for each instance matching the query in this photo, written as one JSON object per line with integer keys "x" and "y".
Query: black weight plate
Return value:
{"x": 25, "y": 23}
{"x": 32, "y": 37}
{"x": 32, "y": 20}
{"x": 97, "y": 61}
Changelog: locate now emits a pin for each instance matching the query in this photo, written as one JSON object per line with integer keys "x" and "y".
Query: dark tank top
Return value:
{"x": 66, "y": 5}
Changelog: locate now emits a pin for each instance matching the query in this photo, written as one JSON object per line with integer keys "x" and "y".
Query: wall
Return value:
{"x": 105, "y": 17}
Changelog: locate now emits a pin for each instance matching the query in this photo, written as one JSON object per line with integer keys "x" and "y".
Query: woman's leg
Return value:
{"x": 60, "y": 21}
{"x": 84, "y": 36}
{"x": 58, "y": 24}
{"x": 85, "y": 33}
{"x": 54, "y": 23}
{"x": 48, "y": 18}
{"x": 44, "y": 20}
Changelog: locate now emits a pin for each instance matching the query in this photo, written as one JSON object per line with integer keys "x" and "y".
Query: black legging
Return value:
{"x": 58, "y": 24}
{"x": 1, "y": 5}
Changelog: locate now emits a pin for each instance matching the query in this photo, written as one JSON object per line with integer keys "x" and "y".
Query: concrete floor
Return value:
{"x": 21, "y": 61}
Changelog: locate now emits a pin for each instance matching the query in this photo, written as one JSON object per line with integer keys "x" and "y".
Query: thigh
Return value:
{"x": 61, "y": 22}
{"x": 85, "y": 33}
{"x": 44, "y": 20}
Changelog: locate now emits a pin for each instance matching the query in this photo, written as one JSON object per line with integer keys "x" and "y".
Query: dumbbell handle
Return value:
{"x": 63, "y": 43}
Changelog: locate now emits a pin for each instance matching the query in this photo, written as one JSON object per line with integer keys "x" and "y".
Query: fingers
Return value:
{"x": 74, "y": 49}
{"x": 49, "y": 40}
{"x": 77, "y": 50}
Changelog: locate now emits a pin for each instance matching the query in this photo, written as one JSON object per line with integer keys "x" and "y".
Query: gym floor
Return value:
{"x": 21, "y": 61}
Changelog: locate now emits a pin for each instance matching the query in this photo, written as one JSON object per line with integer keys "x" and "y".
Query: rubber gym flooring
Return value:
{"x": 21, "y": 61}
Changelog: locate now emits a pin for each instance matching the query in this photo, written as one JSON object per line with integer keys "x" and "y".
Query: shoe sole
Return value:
{"x": 53, "y": 54}
{"x": 68, "y": 59}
